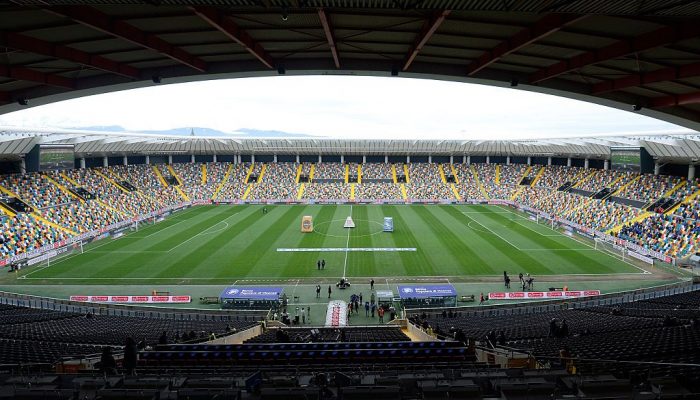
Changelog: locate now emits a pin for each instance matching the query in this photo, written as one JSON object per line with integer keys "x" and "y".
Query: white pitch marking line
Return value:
{"x": 347, "y": 245}
{"x": 645, "y": 272}
{"x": 393, "y": 279}
{"x": 64, "y": 259}
{"x": 204, "y": 232}
{"x": 168, "y": 227}
{"x": 494, "y": 233}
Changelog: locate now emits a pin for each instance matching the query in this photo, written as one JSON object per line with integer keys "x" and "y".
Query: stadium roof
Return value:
{"x": 625, "y": 53}
{"x": 14, "y": 142}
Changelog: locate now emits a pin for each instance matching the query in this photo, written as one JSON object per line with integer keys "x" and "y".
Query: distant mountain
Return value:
{"x": 268, "y": 134}
{"x": 201, "y": 132}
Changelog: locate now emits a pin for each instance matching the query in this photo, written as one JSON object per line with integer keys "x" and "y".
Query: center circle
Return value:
{"x": 341, "y": 221}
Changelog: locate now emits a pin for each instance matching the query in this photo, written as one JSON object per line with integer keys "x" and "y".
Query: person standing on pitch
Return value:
{"x": 318, "y": 264}
{"x": 323, "y": 264}
{"x": 318, "y": 291}
{"x": 371, "y": 284}
{"x": 329, "y": 291}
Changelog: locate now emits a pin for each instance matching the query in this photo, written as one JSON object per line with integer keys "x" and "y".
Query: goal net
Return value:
{"x": 610, "y": 248}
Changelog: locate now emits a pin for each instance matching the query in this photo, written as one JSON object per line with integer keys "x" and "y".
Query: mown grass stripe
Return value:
{"x": 578, "y": 260}
{"x": 520, "y": 259}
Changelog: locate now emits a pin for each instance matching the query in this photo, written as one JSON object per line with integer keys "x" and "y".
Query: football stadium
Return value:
{"x": 146, "y": 265}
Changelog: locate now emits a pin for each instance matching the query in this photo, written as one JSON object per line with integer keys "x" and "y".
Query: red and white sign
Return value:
{"x": 132, "y": 299}
{"x": 556, "y": 294}
{"x": 337, "y": 314}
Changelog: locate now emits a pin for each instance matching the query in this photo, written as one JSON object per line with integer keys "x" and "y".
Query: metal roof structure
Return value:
{"x": 665, "y": 148}
{"x": 641, "y": 54}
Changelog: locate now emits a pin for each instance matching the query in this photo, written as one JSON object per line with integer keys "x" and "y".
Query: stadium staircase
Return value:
{"x": 93, "y": 198}
{"x": 39, "y": 218}
{"x": 14, "y": 203}
{"x": 580, "y": 181}
{"x": 300, "y": 191}
{"x": 607, "y": 192}
{"x": 525, "y": 179}
{"x": 442, "y": 173}
{"x": 179, "y": 185}
{"x": 262, "y": 173}
{"x": 204, "y": 174}
{"x": 248, "y": 189}
{"x": 346, "y": 176}
{"x": 223, "y": 182}
{"x": 666, "y": 201}
{"x": 454, "y": 173}
{"x": 393, "y": 174}
{"x": 359, "y": 173}
{"x": 112, "y": 181}
{"x": 687, "y": 200}
{"x": 478, "y": 182}
{"x": 404, "y": 193}
{"x": 516, "y": 194}
{"x": 638, "y": 218}
{"x": 497, "y": 179}
{"x": 300, "y": 167}
{"x": 539, "y": 175}
{"x": 455, "y": 191}
{"x": 405, "y": 171}
{"x": 7, "y": 210}
{"x": 64, "y": 189}
{"x": 312, "y": 171}
{"x": 160, "y": 176}
{"x": 352, "y": 191}
{"x": 78, "y": 189}
{"x": 619, "y": 190}
{"x": 250, "y": 172}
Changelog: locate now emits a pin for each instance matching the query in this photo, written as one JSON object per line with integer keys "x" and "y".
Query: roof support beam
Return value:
{"x": 675, "y": 100}
{"x": 646, "y": 41}
{"x": 95, "y": 19}
{"x": 231, "y": 29}
{"x": 30, "y": 75}
{"x": 660, "y": 75}
{"x": 427, "y": 32}
{"x": 545, "y": 26}
{"x": 328, "y": 30}
{"x": 37, "y": 46}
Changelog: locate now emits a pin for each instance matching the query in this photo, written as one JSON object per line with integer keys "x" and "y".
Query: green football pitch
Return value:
{"x": 209, "y": 245}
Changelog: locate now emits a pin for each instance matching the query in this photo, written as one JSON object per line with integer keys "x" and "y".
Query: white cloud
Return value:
{"x": 348, "y": 107}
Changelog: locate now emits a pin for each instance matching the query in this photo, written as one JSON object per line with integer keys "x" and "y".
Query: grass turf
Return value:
{"x": 224, "y": 244}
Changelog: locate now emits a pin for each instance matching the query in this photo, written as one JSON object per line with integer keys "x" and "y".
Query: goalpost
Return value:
{"x": 611, "y": 248}
{"x": 53, "y": 255}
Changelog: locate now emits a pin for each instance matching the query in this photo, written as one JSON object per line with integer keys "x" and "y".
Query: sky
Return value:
{"x": 343, "y": 107}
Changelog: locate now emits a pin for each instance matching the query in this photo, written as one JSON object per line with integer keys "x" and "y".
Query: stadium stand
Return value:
{"x": 232, "y": 186}
{"x": 378, "y": 191}
{"x": 326, "y": 191}
{"x": 377, "y": 172}
{"x": 82, "y": 200}
{"x": 329, "y": 172}
{"x": 327, "y": 335}
{"x": 277, "y": 183}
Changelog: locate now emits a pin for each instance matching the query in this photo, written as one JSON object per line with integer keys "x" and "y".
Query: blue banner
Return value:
{"x": 252, "y": 292}
{"x": 425, "y": 291}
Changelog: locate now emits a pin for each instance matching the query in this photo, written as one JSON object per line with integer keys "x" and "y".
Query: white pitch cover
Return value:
{"x": 349, "y": 223}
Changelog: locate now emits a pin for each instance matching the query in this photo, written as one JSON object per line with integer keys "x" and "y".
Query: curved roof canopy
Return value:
{"x": 642, "y": 54}
{"x": 665, "y": 148}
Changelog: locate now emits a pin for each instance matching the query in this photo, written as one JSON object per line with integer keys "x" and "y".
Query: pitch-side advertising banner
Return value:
{"x": 556, "y": 294}
{"x": 133, "y": 299}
